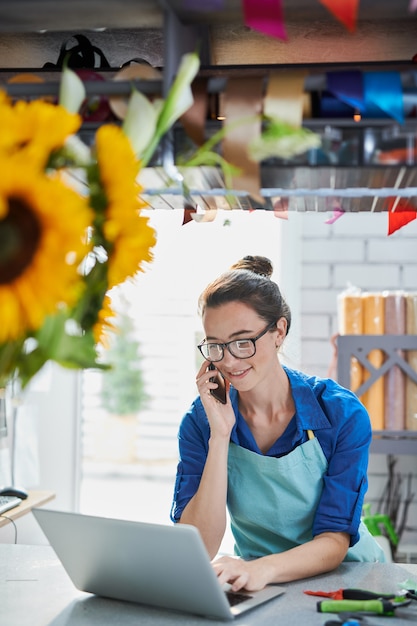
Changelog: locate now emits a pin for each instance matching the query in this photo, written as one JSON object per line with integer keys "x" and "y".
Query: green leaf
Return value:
{"x": 10, "y": 353}
{"x": 30, "y": 365}
{"x": 55, "y": 342}
{"x": 282, "y": 141}
{"x": 206, "y": 155}
{"x": 77, "y": 352}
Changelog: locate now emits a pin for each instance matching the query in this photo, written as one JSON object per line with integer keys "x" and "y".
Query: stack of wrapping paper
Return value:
{"x": 391, "y": 400}
{"x": 350, "y": 323}
{"x": 395, "y": 378}
{"x": 410, "y": 385}
{"x": 373, "y": 324}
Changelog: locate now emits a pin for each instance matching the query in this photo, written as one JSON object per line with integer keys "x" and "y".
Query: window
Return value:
{"x": 162, "y": 303}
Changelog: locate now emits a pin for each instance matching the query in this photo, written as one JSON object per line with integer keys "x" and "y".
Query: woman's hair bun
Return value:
{"x": 258, "y": 264}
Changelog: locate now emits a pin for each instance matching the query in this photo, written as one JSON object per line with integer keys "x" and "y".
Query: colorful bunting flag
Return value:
{"x": 265, "y": 16}
{"x": 188, "y": 215}
{"x": 337, "y": 213}
{"x": 283, "y": 215}
{"x": 346, "y": 11}
{"x": 383, "y": 91}
{"x": 281, "y": 208}
{"x": 403, "y": 214}
{"x": 347, "y": 87}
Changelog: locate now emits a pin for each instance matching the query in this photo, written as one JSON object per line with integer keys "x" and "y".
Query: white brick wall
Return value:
{"x": 355, "y": 250}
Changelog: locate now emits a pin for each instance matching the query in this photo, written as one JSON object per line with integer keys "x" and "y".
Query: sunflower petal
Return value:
{"x": 31, "y": 291}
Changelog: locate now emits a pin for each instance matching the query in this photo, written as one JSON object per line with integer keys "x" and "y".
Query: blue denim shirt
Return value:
{"x": 339, "y": 421}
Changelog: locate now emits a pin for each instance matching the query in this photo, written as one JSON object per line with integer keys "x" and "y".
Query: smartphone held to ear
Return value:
{"x": 220, "y": 392}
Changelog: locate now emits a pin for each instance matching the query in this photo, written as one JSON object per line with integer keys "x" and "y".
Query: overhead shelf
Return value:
{"x": 283, "y": 188}
{"x": 394, "y": 442}
{"x": 361, "y": 166}
{"x": 58, "y": 15}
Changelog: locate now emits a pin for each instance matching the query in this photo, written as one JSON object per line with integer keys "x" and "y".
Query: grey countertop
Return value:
{"x": 36, "y": 591}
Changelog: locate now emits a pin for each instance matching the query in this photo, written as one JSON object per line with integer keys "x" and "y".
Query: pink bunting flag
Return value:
{"x": 281, "y": 208}
{"x": 345, "y": 11}
{"x": 337, "y": 213}
{"x": 265, "y": 16}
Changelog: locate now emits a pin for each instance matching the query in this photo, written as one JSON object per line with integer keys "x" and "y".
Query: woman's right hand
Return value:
{"x": 220, "y": 416}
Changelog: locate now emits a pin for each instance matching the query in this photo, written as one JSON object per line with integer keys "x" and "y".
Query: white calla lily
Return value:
{"x": 180, "y": 96}
{"x": 140, "y": 122}
{"x": 281, "y": 140}
{"x": 178, "y": 101}
{"x": 77, "y": 150}
{"x": 71, "y": 91}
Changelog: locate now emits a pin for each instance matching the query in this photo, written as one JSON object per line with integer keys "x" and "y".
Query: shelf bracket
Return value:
{"x": 359, "y": 346}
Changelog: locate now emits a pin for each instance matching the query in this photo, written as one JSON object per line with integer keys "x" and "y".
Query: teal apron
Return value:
{"x": 272, "y": 502}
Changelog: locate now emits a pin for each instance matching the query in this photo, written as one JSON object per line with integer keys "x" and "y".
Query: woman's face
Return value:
{"x": 236, "y": 320}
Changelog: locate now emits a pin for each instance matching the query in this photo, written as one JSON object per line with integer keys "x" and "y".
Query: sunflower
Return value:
{"x": 36, "y": 128}
{"x": 103, "y": 324}
{"x": 128, "y": 235}
{"x": 43, "y": 227}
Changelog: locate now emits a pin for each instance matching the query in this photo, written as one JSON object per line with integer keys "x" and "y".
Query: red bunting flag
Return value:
{"x": 403, "y": 214}
{"x": 188, "y": 215}
{"x": 266, "y": 16}
{"x": 346, "y": 11}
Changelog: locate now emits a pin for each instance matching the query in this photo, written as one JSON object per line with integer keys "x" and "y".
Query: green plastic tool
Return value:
{"x": 377, "y": 606}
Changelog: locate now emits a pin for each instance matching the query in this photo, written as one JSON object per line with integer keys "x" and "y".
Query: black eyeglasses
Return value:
{"x": 239, "y": 348}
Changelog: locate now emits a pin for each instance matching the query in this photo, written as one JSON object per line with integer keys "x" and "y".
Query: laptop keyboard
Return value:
{"x": 236, "y": 598}
{"x": 8, "y": 502}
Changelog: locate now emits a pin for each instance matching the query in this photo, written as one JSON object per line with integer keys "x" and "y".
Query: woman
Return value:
{"x": 287, "y": 454}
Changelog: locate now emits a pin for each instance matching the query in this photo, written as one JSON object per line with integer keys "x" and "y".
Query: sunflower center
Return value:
{"x": 20, "y": 233}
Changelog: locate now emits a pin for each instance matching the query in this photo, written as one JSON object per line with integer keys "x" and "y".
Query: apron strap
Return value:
{"x": 310, "y": 434}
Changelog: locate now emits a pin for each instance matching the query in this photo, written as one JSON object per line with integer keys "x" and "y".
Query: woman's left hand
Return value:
{"x": 240, "y": 574}
{"x": 320, "y": 555}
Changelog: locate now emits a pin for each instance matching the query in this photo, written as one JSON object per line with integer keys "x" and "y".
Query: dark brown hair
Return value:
{"x": 248, "y": 281}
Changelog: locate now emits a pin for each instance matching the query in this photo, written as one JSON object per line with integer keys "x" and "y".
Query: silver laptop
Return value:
{"x": 164, "y": 566}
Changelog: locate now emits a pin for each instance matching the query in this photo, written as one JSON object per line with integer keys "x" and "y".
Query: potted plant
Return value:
{"x": 123, "y": 394}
